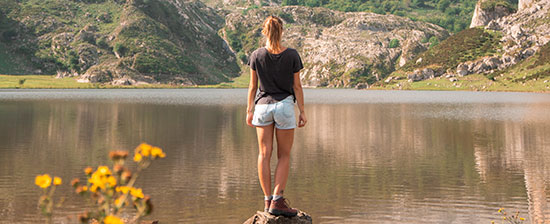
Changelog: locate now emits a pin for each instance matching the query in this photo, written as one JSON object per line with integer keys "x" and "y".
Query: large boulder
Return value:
{"x": 489, "y": 10}
{"x": 266, "y": 218}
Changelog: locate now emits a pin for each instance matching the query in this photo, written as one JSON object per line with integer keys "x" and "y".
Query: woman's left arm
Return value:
{"x": 252, "y": 88}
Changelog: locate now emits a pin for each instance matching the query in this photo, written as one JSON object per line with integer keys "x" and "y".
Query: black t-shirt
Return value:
{"x": 275, "y": 73}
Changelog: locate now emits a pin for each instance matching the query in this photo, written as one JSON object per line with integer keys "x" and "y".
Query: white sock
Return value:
{"x": 277, "y": 197}
{"x": 267, "y": 198}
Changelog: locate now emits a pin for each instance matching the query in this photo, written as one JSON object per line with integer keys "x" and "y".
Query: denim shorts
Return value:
{"x": 280, "y": 113}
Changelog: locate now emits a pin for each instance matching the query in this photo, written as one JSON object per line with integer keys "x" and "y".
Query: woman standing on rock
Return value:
{"x": 277, "y": 68}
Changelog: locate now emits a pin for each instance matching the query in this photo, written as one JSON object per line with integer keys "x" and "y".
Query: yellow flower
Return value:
{"x": 43, "y": 181}
{"x": 88, "y": 170}
{"x": 104, "y": 170}
{"x": 57, "y": 181}
{"x": 137, "y": 157}
{"x": 123, "y": 189}
{"x": 137, "y": 192}
{"x": 500, "y": 210}
{"x": 84, "y": 188}
{"x": 111, "y": 219}
{"x": 93, "y": 188}
{"x": 157, "y": 152}
{"x": 144, "y": 149}
{"x": 521, "y": 218}
{"x": 112, "y": 181}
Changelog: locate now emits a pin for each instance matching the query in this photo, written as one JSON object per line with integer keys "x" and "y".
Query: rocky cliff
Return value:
{"x": 489, "y": 10}
{"x": 511, "y": 50}
{"x": 338, "y": 49}
{"x": 117, "y": 41}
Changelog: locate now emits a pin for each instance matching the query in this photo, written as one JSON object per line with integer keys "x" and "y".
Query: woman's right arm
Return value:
{"x": 299, "y": 93}
{"x": 252, "y": 87}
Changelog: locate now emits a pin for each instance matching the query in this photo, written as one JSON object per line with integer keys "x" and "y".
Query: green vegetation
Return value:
{"x": 478, "y": 82}
{"x": 453, "y": 15}
{"x": 138, "y": 39}
{"x": 466, "y": 45}
{"x": 531, "y": 74}
{"x": 394, "y": 43}
{"x": 491, "y": 4}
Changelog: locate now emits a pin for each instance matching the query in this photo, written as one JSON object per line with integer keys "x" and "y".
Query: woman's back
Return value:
{"x": 275, "y": 73}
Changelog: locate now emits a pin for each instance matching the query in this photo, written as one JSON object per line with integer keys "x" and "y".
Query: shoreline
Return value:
{"x": 472, "y": 84}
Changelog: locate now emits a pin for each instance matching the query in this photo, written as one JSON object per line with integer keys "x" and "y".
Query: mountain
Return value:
{"x": 116, "y": 41}
{"x": 509, "y": 52}
{"x": 339, "y": 49}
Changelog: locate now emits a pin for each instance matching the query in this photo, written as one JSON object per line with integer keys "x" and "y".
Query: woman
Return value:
{"x": 277, "y": 68}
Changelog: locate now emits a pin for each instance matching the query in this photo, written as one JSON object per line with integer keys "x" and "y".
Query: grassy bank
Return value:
{"x": 50, "y": 82}
{"x": 476, "y": 82}
{"x": 467, "y": 83}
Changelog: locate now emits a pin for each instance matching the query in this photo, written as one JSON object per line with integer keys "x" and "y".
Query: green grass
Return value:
{"x": 467, "y": 45}
{"x": 467, "y": 83}
{"x": 50, "y": 82}
{"x": 476, "y": 82}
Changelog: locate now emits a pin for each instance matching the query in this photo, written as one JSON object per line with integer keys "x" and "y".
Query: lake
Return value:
{"x": 364, "y": 157}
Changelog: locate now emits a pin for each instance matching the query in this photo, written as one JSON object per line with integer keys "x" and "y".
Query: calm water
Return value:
{"x": 365, "y": 156}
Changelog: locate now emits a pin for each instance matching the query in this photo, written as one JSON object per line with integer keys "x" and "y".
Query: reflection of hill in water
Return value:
{"x": 377, "y": 162}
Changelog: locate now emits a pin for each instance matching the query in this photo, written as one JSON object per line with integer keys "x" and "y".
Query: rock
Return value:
{"x": 422, "y": 74}
{"x": 410, "y": 50}
{"x": 482, "y": 16}
{"x": 266, "y": 218}
{"x": 87, "y": 56}
{"x": 388, "y": 80}
{"x": 61, "y": 41}
{"x": 418, "y": 61}
{"x": 64, "y": 74}
{"x": 453, "y": 79}
{"x": 362, "y": 86}
{"x": 124, "y": 81}
{"x": 516, "y": 31}
{"x": 524, "y": 4}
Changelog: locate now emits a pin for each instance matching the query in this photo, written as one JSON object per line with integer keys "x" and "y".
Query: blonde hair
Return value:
{"x": 273, "y": 30}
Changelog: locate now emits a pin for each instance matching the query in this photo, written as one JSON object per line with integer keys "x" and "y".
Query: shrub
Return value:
{"x": 242, "y": 56}
{"x": 433, "y": 41}
{"x": 102, "y": 43}
{"x": 394, "y": 43}
{"x": 120, "y": 49}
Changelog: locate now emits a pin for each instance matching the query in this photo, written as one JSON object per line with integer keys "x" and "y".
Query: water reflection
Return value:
{"x": 354, "y": 163}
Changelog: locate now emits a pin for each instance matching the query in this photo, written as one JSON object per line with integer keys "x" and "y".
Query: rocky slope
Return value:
{"x": 509, "y": 50}
{"x": 338, "y": 49}
{"x": 116, "y": 41}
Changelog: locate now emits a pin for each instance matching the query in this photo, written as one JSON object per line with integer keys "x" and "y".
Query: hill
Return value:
{"x": 117, "y": 41}
{"x": 510, "y": 53}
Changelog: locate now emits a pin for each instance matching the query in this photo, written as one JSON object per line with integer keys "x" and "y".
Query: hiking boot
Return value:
{"x": 280, "y": 207}
{"x": 267, "y": 204}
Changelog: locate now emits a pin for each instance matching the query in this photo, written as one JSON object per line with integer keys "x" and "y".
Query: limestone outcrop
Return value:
{"x": 487, "y": 11}
{"x": 521, "y": 36}
{"x": 338, "y": 49}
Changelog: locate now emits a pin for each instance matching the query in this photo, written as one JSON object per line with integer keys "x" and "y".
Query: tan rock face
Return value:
{"x": 482, "y": 16}
{"x": 342, "y": 49}
{"x": 524, "y": 4}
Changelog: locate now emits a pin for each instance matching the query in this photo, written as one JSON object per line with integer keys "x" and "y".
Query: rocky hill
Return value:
{"x": 338, "y": 49}
{"x": 115, "y": 41}
{"x": 507, "y": 51}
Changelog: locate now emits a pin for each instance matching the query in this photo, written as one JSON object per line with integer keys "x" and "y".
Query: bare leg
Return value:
{"x": 285, "y": 138}
{"x": 265, "y": 142}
